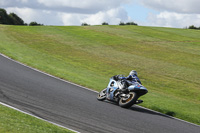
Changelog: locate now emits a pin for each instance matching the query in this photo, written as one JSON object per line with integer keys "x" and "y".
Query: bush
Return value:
{"x": 121, "y": 23}
{"x": 131, "y": 23}
{"x": 193, "y": 27}
{"x": 85, "y": 24}
{"x": 104, "y": 23}
{"x": 35, "y": 24}
{"x": 128, "y": 23}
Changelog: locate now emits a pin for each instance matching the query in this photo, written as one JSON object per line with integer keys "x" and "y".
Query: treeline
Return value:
{"x": 105, "y": 23}
{"x": 13, "y": 19}
{"x": 193, "y": 27}
{"x": 10, "y": 19}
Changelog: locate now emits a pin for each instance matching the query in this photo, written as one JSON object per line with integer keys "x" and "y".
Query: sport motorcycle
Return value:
{"x": 115, "y": 91}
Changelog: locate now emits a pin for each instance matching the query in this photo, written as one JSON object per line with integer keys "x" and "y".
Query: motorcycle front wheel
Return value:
{"x": 102, "y": 95}
{"x": 128, "y": 100}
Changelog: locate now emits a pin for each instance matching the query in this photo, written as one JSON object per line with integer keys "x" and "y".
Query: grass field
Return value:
{"x": 167, "y": 60}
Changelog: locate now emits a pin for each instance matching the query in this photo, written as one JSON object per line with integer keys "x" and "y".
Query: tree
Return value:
{"x": 34, "y": 24}
{"x": 131, "y": 23}
{"x": 15, "y": 20}
{"x": 4, "y": 18}
{"x": 11, "y": 19}
{"x": 121, "y": 23}
{"x": 192, "y": 27}
{"x": 128, "y": 23}
{"x": 85, "y": 24}
{"x": 104, "y": 23}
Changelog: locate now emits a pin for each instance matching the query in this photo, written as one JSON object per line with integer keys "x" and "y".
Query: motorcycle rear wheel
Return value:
{"x": 129, "y": 101}
{"x": 102, "y": 95}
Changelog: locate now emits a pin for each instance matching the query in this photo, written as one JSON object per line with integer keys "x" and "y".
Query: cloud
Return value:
{"x": 70, "y": 6}
{"x": 22, "y": 12}
{"x": 41, "y": 16}
{"x": 173, "y": 13}
{"x": 172, "y": 19}
{"x": 112, "y": 16}
{"x": 83, "y": 4}
{"x": 68, "y": 12}
{"x": 178, "y": 6}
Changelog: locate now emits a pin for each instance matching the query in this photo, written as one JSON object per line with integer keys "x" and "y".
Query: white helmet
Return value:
{"x": 133, "y": 72}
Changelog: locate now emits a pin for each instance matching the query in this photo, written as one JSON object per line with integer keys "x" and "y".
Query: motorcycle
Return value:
{"x": 125, "y": 99}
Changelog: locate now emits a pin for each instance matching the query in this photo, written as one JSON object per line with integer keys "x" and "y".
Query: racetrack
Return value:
{"x": 75, "y": 107}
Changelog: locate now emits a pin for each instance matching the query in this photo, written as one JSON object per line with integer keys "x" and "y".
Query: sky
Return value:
{"x": 159, "y": 13}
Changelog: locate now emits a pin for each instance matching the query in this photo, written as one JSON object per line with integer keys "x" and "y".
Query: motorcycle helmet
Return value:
{"x": 133, "y": 72}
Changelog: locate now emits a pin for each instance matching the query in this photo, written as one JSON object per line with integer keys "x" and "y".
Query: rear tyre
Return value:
{"x": 102, "y": 95}
{"x": 129, "y": 100}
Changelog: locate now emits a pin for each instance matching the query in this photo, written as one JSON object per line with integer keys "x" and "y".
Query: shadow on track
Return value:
{"x": 169, "y": 114}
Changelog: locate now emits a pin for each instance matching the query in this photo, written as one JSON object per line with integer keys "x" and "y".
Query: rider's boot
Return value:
{"x": 124, "y": 88}
{"x": 139, "y": 101}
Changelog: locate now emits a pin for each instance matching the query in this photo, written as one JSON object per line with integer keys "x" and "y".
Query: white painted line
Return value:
{"x": 37, "y": 117}
{"x": 91, "y": 89}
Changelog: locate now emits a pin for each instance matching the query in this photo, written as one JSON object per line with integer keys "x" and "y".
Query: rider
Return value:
{"x": 131, "y": 78}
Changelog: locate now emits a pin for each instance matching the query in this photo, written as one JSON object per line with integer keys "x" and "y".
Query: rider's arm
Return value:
{"x": 122, "y": 78}
{"x": 138, "y": 80}
{"x": 129, "y": 77}
{"x": 135, "y": 78}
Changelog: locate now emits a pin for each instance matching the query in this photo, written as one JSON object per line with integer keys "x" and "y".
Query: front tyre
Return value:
{"x": 102, "y": 95}
{"x": 128, "y": 100}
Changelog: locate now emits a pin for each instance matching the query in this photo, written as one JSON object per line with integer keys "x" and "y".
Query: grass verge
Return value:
{"x": 12, "y": 121}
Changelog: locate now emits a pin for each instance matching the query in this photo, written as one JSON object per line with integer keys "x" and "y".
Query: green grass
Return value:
{"x": 166, "y": 59}
{"x": 12, "y": 121}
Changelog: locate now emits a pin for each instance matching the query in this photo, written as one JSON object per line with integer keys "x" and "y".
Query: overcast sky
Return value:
{"x": 163, "y": 13}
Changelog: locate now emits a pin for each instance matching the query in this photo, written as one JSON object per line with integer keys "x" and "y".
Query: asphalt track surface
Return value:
{"x": 77, "y": 108}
